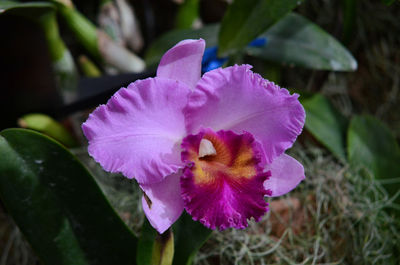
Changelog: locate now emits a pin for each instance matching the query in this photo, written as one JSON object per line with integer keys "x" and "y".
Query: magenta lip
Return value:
{"x": 224, "y": 200}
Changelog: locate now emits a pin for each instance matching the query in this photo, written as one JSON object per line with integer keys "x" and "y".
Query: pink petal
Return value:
{"x": 286, "y": 174}
{"x": 139, "y": 130}
{"x": 234, "y": 98}
{"x": 223, "y": 189}
{"x": 164, "y": 204}
{"x": 183, "y": 62}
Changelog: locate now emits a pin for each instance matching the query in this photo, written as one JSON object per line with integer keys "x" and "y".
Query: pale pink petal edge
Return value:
{"x": 166, "y": 202}
{"x": 286, "y": 174}
{"x": 183, "y": 62}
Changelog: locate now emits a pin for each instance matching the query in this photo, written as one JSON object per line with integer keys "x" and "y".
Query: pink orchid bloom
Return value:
{"x": 212, "y": 145}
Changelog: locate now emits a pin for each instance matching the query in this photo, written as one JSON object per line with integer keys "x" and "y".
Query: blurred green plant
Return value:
{"x": 246, "y": 19}
{"x": 187, "y": 14}
{"x": 48, "y": 126}
{"x": 296, "y": 41}
{"x": 117, "y": 18}
{"x": 44, "y": 15}
{"x": 293, "y": 41}
{"x": 326, "y": 124}
{"x": 88, "y": 68}
{"x": 372, "y": 145}
{"x": 154, "y": 248}
{"x": 96, "y": 41}
{"x": 363, "y": 142}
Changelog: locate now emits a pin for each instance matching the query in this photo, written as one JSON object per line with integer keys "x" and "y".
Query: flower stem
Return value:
{"x": 88, "y": 68}
{"x": 56, "y": 46}
{"x": 64, "y": 67}
{"x": 85, "y": 31}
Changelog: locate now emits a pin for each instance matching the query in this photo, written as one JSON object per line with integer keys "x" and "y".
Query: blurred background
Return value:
{"x": 60, "y": 59}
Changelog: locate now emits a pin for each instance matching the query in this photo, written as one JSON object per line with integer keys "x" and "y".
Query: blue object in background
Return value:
{"x": 211, "y": 61}
{"x": 259, "y": 42}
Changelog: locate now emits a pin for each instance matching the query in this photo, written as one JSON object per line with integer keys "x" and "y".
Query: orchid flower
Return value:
{"x": 212, "y": 145}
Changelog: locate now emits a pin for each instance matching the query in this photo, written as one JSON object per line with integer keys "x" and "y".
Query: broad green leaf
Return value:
{"x": 12, "y": 5}
{"x": 246, "y": 19}
{"x": 146, "y": 244}
{"x": 153, "y": 248}
{"x": 168, "y": 40}
{"x": 326, "y": 124}
{"x": 189, "y": 237}
{"x": 371, "y": 144}
{"x": 57, "y": 204}
{"x": 47, "y": 125}
{"x": 187, "y": 14}
{"x": 296, "y": 41}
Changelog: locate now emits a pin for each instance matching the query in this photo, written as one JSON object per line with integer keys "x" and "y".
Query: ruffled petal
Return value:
{"x": 139, "y": 130}
{"x": 286, "y": 174}
{"x": 183, "y": 62}
{"x": 234, "y": 98}
{"x": 162, "y": 202}
{"x": 223, "y": 188}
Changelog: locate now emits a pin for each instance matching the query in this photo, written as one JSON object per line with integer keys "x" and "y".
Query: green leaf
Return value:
{"x": 187, "y": 14}
{"x": 169, "y": 39}
{"x": 57, "y": 204}
{"x": 372, "y": 145}
{"x": 296, "y": 41}
{"x": 146, "y": 244}
{"x": 47, "y": 125}
{"x": 326, "y": 124}
{"x": 154, "y": 248}
{"x": 6, "y": 6}
{"x": 246, "y": 19}
{"x": 189, "y": 237}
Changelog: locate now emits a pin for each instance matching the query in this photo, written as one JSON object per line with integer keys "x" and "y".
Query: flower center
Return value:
{"x": 222, "y": 154}
{"x": 206, "y": 148}
{"x": 222, "y": 184}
